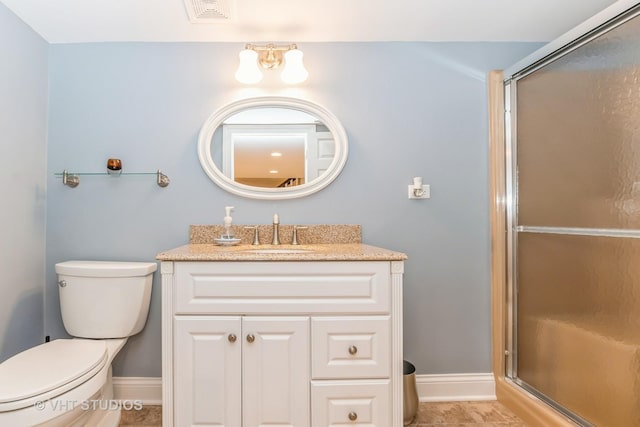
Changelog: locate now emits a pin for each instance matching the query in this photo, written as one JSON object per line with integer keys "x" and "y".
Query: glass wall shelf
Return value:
{"x": 73, "y": 179}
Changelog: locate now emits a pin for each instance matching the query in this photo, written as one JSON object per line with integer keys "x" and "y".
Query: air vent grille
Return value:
{"x": 208, "y": 10}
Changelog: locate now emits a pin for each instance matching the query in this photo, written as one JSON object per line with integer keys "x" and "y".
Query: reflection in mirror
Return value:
{"x": 272, "y": 147}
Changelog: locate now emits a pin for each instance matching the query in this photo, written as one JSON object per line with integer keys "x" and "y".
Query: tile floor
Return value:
{"x": 148, "y": 416}
{"x": 437, "y": 414}
{"x": 465, "y": 414}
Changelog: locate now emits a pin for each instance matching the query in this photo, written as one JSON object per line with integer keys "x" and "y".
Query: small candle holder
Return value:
{"x": 114, "y": 166}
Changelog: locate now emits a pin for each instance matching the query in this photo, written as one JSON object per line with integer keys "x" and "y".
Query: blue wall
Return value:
{"x": 23, "y": 132}
{"x": 409, "y": 109}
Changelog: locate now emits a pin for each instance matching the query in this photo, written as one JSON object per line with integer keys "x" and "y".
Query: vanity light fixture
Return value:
{"x": 273, "y": 171}
{"x": 270, "y": 57}
{"x": 276, "y": 154}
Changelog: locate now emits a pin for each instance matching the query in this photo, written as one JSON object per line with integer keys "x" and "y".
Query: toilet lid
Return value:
{"x": 50, "y": 366}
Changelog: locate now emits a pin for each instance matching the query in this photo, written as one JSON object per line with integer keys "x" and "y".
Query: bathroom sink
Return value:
{"x": 277, "y": 251}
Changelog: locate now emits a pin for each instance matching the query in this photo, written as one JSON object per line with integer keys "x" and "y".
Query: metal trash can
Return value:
{"x": 410, "y": 399}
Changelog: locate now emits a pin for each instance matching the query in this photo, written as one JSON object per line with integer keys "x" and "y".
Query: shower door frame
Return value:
{"x": 507, "y": 203}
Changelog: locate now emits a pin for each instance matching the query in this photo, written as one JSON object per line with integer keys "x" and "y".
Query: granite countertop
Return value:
{"x": 322, "y": 242}
{"x": 309, "y": 252}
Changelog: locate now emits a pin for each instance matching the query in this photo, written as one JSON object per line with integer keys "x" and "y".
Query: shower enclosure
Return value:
{"x": 573, "y": 226}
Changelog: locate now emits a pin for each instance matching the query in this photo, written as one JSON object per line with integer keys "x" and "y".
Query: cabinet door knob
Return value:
{"x": 353, "y": 416}
{"x": 251, "y": 338}
{"x": 353, "y": 350}
{"x": 232, "y": 338}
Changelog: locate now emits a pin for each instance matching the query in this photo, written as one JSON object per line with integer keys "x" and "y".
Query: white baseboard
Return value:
{"x": 456, "y": 387}
{"x": 431, "y": 388}
{"x": 146, "y": 389}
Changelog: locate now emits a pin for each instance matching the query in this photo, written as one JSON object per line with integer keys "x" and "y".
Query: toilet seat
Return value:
{"x": 48, "y": 370}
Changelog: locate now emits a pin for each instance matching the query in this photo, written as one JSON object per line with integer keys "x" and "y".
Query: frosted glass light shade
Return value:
{"x": 248, "y": 71}
{"x": 294, "y": 71}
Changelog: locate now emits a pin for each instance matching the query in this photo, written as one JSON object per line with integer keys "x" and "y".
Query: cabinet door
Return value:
{"x": 207, "y": 364}
{"x": 276, "y": 371}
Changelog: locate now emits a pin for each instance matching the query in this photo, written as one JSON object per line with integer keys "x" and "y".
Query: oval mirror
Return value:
{"x": 272, "y": 147}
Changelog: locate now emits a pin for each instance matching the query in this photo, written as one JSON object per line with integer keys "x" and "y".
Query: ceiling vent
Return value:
{"x": 207, "y": 11}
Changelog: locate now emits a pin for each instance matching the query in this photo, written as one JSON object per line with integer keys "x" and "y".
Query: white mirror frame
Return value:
{"x": 205, "y": 139}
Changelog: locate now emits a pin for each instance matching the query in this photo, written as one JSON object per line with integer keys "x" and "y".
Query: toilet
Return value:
{"x": 68, "y": 382}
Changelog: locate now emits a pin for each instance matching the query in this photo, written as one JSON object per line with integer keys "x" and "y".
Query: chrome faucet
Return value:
{"x": 276, "y": 230}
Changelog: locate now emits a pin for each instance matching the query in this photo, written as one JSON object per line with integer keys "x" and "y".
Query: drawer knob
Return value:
{"x": 251, "y": 338}
{"x": 232, "y": 338}
{"x": 353, "y": 350}
{"x": 353, "y": 416}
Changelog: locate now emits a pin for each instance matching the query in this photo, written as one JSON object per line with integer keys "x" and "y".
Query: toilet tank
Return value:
{"x": 104, "y": 299}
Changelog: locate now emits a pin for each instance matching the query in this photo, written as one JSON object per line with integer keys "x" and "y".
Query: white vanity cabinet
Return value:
{"x": 287, "y": 343}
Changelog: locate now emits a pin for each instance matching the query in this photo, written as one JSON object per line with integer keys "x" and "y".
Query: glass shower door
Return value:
{"x": 575, "y": 228}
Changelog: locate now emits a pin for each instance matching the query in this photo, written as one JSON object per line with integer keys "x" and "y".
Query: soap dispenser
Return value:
{"x": 227, "y": 222}
{"x": 227, "y": 239}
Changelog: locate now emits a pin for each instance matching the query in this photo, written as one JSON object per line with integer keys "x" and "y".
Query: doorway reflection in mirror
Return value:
{"x": 273, "y": 147}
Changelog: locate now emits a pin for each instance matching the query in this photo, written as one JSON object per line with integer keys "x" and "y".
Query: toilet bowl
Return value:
{"x": 68, "y": 382}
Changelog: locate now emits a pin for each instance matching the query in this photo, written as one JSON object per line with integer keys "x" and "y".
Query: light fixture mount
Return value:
{"x": 271, "y": 56}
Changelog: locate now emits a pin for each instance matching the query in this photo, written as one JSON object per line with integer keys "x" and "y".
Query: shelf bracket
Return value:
{"x": 70, "y": 180}
{"x": 163, "y": 180}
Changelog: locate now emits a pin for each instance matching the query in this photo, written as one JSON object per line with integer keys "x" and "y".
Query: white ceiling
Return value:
{"x": 77, "y": 21}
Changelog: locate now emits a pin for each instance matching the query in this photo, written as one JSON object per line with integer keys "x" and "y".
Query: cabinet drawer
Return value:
{"x": 282, "y": 287}
{"x": 351, "y": 347}
{"x": 341, "y": 403}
